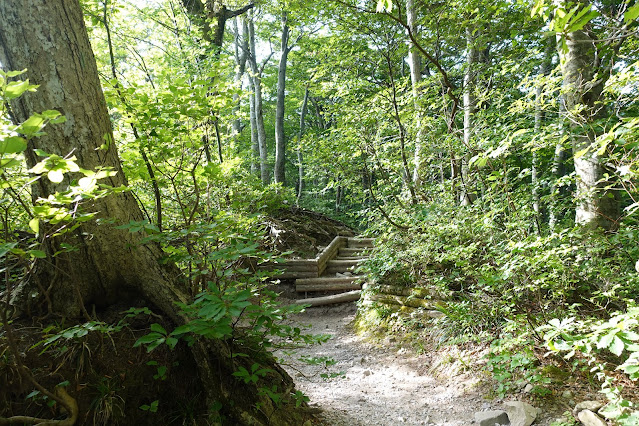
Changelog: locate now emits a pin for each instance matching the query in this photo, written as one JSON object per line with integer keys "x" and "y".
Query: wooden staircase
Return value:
{"x": 337, "y": 274}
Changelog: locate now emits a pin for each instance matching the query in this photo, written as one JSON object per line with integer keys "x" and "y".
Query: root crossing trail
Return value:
{"x": 381, "y": 384}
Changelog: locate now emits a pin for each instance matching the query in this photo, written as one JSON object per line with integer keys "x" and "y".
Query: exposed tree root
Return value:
{"x": 69, "y": 402}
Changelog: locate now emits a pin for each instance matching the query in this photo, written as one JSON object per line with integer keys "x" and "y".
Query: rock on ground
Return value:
{"x": 520, "y": 413}
{"x": 491, "y": 418}
{"x": 588, "y": 418}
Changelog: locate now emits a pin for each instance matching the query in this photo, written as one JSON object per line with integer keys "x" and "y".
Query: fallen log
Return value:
{"x": 350, "y": 296}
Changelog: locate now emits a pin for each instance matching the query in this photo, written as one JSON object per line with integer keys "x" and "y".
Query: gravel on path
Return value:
{"x": 381, "y": 384}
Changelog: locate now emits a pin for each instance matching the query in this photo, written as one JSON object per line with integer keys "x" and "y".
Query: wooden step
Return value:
{"x": 358, "y": 258}
{"x": 336, "y": 280}
{"x": 345, "y": 251}
{"x": 349, "y": 296}
{"x": 328, "y": 286}
{"x": 360, "y": 242}
{"x": 338, "y": 270}
{"x": 345, "y": 263}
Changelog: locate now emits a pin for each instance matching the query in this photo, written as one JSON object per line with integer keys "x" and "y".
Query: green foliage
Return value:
{"x": 252, "y": 376}
{"x": 152, "y": 407}
{"x": 590, "y": 342}
{"x": 513, "y": 365}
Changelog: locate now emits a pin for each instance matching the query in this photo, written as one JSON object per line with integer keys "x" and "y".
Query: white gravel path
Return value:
{"x": 381, "y": 385}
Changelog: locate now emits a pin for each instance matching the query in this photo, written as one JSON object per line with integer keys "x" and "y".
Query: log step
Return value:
{"x": 360, "y": 242}
{"x": 343, "y": 263}
{"x": 349, "y": 296}
{"x": 335, "y": 280}
{"x": 352, "y": 258}
{"x": 328, "y": 287}
{"x": 345, "y": 251}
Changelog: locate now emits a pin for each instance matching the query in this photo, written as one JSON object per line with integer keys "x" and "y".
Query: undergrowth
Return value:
{"x": 552, "y": 305}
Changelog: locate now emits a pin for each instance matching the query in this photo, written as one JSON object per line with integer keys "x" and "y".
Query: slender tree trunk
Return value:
{"x": 558, "y": 170}
{"x": 255, "y": 146}
{"x": 259, "y": 112}
{"x": 416, "y": 79}
{"x": 596, "y": 206}
{"x": 539, "y": 118}
{"x": 280, "y": 141}
{"x": 472, "y": 57}
{"x": 300, "y": 162}
{"x": 241, "y": 54}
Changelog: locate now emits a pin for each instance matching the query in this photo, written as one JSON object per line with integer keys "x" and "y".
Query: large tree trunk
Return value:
{"x": 48, "y": 38}
{"x": 596, "y": 206}
{"x": 280, "y": 140}
{"x": 50, "y": 41}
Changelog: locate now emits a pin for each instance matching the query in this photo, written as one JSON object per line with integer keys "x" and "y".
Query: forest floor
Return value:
{"x": 381, "y": 383}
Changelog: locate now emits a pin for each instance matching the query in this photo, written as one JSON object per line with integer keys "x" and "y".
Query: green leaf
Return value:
{"x": 32, "y": 125}
{"x": 158, "y": 329}
{"x": 17, "y": 88}
{"x": 34, "y": 225}
{"x": 384, "y": 6}
{"x": 149, "y": 338}
{"x": 12, "y": 144}
{"x": 631, "y": 14}
{"x": 15, "y": 73}
{"x": 617, "y": 346}
{"x": 579, "y": 21}
{"x": 6, "y": 163}
{"x": 37, "y": 254}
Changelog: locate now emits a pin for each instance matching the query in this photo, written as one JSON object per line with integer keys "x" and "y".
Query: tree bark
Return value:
{"x": 241, "y": 54}
{"x": 415, "y": 63}
{"x": 259, "y": 113}
{"x": 255, "y": 147}
{"x": 596, "y": 206}
{"x": 539, "y": 118}
{"x": 49, "y": 40}
{"x": 280, "y": 140}
{"x": 472, "y": 57}
{"x": 300, "y": 156}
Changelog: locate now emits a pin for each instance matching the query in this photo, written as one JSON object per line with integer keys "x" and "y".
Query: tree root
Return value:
{"x": 69, "y": 402}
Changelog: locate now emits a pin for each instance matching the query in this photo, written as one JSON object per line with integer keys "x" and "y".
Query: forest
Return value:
{"x": 153, "y": 153}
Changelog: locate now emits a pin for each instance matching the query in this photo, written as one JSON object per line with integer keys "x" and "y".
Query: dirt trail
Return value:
{"x": 381, "y": 385}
